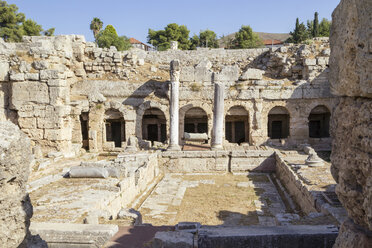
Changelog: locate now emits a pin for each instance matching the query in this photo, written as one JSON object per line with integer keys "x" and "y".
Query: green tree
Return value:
{"x": 109, "y": 37}
{"x": 206, "y": 38}
{"x": 195, "y": 42}
{"x": 245, "y": 38}
{"x": 324, "y": 28}
{"x": 315, "y": 25}
{"x": 172, "y": 32}
{"x": 49, "y": 32}
{"x": 13, "y": 25}
{"x": 11, "y": 22}
{"x": 31, "y": 28}
{"x": 299, "y": 34}
{"x": 96, "y": 26}
{"x": 310, "y": 27}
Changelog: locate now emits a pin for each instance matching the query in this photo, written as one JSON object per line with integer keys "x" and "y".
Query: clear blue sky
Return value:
{"x": 134, "y": 18}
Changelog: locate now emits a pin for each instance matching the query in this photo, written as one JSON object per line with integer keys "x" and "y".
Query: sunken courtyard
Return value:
{"x": 267, "y": 147}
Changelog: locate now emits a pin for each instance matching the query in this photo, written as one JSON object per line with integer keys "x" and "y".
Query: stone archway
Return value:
{"x": 114, "y": 127}
{"x": 319, "y": 122}
{"x": 154, "y": 125}
{"x": 237, "y": 125}
{"x": 278, "y": 123}
{"x": 196, "y": 121}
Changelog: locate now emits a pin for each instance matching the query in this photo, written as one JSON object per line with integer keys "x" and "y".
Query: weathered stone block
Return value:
{"x": 228, "y": 73}
{"x": 32, "y": 76}
{"x": 4, "y": 71}
{"x": 309, "y": 62}
{"x": 252, "y": 74}
{"x": 26, "y": 92}
{"x": 49, "y": 74}
{"x": 187, "y": 74}
{"x": 29, "y": 123}
{"x": 17, "y": 76}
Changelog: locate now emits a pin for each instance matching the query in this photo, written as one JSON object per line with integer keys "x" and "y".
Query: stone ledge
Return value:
{"x": 73, "y": 235}
{"x": 257, "y": 236}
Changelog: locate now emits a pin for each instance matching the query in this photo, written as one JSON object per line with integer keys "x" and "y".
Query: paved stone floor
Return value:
{"x": 213, "y": 199}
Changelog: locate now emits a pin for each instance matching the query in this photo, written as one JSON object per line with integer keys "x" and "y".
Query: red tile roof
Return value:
{"x": 134, "y": 41}
{"x": 272, "y": 42}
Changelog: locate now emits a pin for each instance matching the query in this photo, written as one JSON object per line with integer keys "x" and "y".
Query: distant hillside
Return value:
{"x": 263, "y": 36}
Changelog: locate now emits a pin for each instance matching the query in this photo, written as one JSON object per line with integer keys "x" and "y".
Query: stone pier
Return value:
{"x": 174, "y": 105}
{"x": 218, "y": 115}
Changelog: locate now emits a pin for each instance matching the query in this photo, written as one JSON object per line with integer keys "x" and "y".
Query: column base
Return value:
{"x": 174, "y": 148}
{"x": 216, "y": 147}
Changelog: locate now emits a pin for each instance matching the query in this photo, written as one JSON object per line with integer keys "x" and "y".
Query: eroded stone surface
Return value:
{"x": 16, "y": 209}
{"x": 351, "y": 122}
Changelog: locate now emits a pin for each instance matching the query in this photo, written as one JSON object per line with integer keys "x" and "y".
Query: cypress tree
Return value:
{"x": 316, "y": 25}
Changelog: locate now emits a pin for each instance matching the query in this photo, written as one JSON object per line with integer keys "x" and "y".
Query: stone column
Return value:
{"x": 174, "y": 105}
{"x": 218, "y": 115}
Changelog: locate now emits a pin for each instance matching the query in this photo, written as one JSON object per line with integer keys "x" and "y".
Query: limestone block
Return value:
{"x": 176, "y": 239}
{"x": 322, "y": 60}
{"x": 187, "y": 74}
{"x": 57, "y": 82}
{"x": 32, "y": 76}
{"x": 195, "y": 136}
{"x": 351, "y": 56}
{"x": 34, "y": 134}
{"x": 132, "y": 216}
{"x": 49, "y": 74}
{"x": 59, "y": 95}
{"x": 4, "y": 71}
{"x": 248, "y": 94}
{"x": 26, "y": 92}
{"x": 57, "y": 134}
{"x": 228, "y": 73}
{"x": 17, "y": 76}
{"x": 203, "y": 75}
{"x": 16, "y": 209}
{"x": 29, "y": 123}
{"x": 74, "y": 235}
{"x": 50, "y": 122}
{"x": 352, "y": 134}
{"x": 88, "y": 172}
{"x": 40, "y": 65}
{"x": 309, "y": 62}
{"x": 252, "y": 74}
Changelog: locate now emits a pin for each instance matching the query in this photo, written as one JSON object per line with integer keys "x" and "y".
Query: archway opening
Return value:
{"x": 319, "y": 122}
{"x": 278, "y": 123}
{"x": 115, "y": 127}
{"x": 154, "y": 127}
{"x": 237, "y": 125}
{"x": 84, "y": 126}
{"x": 196, "y": 121}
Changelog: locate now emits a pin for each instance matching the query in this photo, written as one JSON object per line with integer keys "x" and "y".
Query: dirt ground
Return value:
{"x": 224, "y": 199}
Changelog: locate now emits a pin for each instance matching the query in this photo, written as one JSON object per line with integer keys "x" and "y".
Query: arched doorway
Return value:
{"x": 237, "y": 125}
{"x": 114, "y": 127}
{"x": 319, "y": 122}
{"x": 196, "y": 121}
{"x": 278, "y": 123}
{"x": 154, "y": 127}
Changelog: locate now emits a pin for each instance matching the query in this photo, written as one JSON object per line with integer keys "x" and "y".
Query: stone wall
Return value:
{"x": 16, "y": 208}
{"x": 48, "y": 82}
{"x": 351, "y": 63}
{"x": 207, "y": 161}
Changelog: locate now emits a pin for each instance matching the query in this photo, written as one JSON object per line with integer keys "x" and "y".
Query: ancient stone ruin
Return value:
{"x": 351, "y": 71}
{"x": 205, "y": 148}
